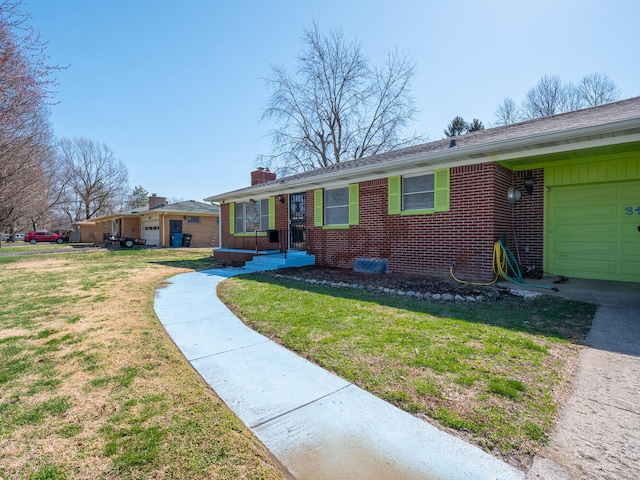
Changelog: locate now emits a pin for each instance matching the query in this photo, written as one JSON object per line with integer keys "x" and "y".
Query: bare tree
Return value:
{"x": 548, "y": 97}
{"x": 507, "y": 112}
{"x": 597, "y": 89}
{"x": 25, "y": 136}
{"x": 337, "y": 107}
{"x": 91, "y": 181}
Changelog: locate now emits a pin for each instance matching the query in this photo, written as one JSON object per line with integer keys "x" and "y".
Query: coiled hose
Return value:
{"x": 503, "y": 262}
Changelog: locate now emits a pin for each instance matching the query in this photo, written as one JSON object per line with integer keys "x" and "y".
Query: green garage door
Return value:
{"x": 593, "y": 231}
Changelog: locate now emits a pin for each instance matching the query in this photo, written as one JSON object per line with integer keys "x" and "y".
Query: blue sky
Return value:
{"x": 176, "y": 87}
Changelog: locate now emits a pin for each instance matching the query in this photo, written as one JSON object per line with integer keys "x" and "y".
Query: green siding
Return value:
{"x": 354, "y": 204}
{"x": 603, "y": 170}
{"x": 232, "y": 218}
{"x": 592, "y": 214}
{"x": 394, "y": 195}
{"x": 575, "y": 157}
{"x": 317, "y": 207}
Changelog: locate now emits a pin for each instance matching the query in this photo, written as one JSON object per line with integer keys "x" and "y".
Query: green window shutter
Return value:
{"x": 441, "y": 190}
{"x": 354, "y": 204}
{"x": 272, "y": 213}
{"x": 394, "y": 195}
{"x": 317, "y": 208}
{"x": 232, "y": 218}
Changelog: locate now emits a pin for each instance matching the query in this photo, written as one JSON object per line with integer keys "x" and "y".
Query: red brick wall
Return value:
{"x": 427, "y": 244}
{"x": 262, "y": 175}
{"x": 528, "y": 218}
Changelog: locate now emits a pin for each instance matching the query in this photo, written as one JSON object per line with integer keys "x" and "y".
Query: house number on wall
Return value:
{"x": 632, "y": 210}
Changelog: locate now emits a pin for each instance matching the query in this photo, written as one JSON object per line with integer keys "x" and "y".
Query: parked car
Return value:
{"x": 18, "y": 236}
{"x": 42, "y": 236}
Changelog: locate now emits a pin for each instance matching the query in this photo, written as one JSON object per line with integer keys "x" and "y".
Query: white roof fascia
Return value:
{"x": 520, "y": 147}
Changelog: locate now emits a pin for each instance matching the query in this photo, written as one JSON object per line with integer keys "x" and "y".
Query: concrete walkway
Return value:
{"x": 319, "y": 426}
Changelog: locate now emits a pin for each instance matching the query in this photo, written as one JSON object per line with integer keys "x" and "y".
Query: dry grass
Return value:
{"x": 92, "y": 387}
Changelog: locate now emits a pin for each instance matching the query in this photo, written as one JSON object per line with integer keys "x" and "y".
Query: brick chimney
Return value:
{"x": 154, "y": 201}
{"x": 262, "y": 175}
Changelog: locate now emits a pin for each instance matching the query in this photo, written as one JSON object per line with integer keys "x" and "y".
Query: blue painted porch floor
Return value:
{"x": 318, "y": 425}
{"x": 279, "y": 260}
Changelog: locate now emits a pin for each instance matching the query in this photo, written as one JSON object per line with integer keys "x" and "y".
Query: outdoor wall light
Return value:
{"x": 513, "y": 195}
{"x": 280, "y": 198}
{"x": 528, "y": 185}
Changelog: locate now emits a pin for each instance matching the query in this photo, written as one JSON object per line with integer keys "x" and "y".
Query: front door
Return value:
{"x": 297, "y": 221}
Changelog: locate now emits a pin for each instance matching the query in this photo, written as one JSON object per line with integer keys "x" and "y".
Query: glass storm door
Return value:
{"x": 297, "y": 221}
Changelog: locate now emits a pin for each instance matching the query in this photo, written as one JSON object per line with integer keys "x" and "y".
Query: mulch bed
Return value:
{"x": 396, "y": 281}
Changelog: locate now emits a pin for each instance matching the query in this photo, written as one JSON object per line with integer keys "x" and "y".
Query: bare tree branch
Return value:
{"x": 25, "y": 135}
{"x": 336, "y": 107}
{"x": 548, "y": 97}
{"x": 507, "y": 112}
{"x": 91, "y": 181}
{"x": 597, "y": 89}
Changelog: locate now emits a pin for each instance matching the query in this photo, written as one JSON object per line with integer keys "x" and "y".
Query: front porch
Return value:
{"x": 264, "y": 259}
{"x": 239, "y": 255}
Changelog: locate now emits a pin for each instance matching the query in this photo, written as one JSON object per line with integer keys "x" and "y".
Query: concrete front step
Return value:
{"x": 276, "y": 261}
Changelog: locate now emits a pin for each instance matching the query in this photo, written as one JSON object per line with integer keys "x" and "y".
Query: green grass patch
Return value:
{"x": 508, "y": 388}
{"x": 85, "y": 364}
{"x": 450, "y": 418}
{"x": 70, "y": 430}
{"x": 38, "y": 413}
{"x": 48, "y": 472}
{"x": 481, "y": 368}
{"x": 133, "y": 446}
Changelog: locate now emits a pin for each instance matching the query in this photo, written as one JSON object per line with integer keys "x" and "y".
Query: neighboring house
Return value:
{"x": 160, "y": 220}
{"x": 564, "y": 191}
{"x": 83, "y": 232}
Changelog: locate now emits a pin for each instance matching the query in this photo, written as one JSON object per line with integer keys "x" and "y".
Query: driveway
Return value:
{"x": 598, "y": 433}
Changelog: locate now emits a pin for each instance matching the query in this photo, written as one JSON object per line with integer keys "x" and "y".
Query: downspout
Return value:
{"x": 220, "y": 228}
{"x": 162, "y": 231}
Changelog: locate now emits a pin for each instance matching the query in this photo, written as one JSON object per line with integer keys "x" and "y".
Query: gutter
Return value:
{"x": 456, "y": 156}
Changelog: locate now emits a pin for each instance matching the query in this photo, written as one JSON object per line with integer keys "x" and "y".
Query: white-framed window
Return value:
{"x": 252, "y": 216}
{"x": 418, "y": 192}
{"x": 336, "y": 206}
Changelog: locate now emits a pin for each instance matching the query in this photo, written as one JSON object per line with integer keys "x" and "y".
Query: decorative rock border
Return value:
{"x": 443, "y": 297}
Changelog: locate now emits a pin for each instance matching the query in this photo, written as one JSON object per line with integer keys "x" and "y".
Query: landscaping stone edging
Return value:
{"x": 446, "y": 297}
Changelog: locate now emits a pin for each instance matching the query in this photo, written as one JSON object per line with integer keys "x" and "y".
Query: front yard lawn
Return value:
{"x": 493, "y": 372}
{"x": 91, "y": 386}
